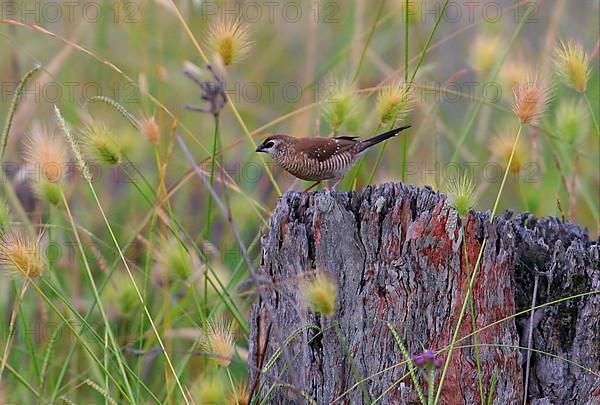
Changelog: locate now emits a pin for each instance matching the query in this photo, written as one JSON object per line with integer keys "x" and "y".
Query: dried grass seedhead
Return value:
{"x": 219, "y": 341}
{"x": 48, "y": 154}
{"x": 460, "y": 189}
{"x": 394, "y": 101}
{"x": 513, "y": 72}
{"x": 229, "y": 39}
{"x": 342, "y": 103}
{"x": 19, "y": 254}
{"x": 530, "y": 100}
{"x": 209, "y": 389}
{"x": 484, "y": 52}
{"x": 175, "y": 260}
{"x": 572, "y": 120}
{"x": 320, "y": 294}
{"x": 150, "y": 129}
{"x": 100, "y": 145}
{"x": 240, "y": 394}
{"x": 572, "y": 65}
{"x": 501, "y": 148}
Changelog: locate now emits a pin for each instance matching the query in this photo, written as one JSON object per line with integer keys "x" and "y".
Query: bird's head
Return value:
{"x": 274, "y": 145}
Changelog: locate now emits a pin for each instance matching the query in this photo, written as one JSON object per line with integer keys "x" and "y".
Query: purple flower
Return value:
{"x": 428, "y": 359}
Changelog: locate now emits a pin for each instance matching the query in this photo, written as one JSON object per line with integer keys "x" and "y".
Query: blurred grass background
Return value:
{"x": 327, "y": 45}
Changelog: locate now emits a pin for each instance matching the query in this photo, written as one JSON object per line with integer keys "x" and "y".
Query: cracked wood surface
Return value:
{"x": 398, "y": 254}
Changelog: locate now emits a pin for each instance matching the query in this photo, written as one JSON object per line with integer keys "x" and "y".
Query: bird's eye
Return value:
{"x": 269, "y": 144}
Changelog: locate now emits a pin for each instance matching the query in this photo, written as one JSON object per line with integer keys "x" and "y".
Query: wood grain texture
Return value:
{"x": 397, "y": 254}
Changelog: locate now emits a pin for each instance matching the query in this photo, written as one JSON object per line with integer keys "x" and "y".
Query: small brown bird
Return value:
{"x": 318, "y": 158}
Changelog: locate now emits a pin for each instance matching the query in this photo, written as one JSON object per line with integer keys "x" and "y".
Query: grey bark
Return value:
{"x": 397, "y": 254}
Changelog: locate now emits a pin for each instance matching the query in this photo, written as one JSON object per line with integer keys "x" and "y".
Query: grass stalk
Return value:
{"x": 475, "y": 269}
{"x": 90, "y": 276}
{"x": 11, "y": 326}
{"x": 592, "y": 114}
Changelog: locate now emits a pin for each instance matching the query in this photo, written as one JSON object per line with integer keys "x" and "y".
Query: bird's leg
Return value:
{"x": 338, "y": 180}
{"x": 306, "y": 190}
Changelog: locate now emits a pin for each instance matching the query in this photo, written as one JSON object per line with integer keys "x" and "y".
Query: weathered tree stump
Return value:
{"x": 397, "y": 254}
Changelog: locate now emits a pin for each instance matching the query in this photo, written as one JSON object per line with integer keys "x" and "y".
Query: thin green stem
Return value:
{"x": 473, "y": 322}
{"x": 412, "y": 78}
{"x": 592, "y": 113}
{"x": 97, "y": 296}
{"x": 368, "y": 41}
{"x": 477, "y": 263}
{"x": 491, "y": 79}
{"x": 11, "y": 325}
{"x": 137, "y": 290}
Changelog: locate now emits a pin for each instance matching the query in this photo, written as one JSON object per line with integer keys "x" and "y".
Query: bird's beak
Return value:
{"x": 260, "y": 148}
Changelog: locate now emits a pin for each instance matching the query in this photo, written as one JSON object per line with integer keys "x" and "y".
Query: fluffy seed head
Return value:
{"x": 501, "y": 148}
{"x": 174, "y": 260}
{"x": 394, "y": 101}
{"x": 513, "y": 72}
{"x": 19, "y": 254}
{"x": 209, "y": 389}
{"x": 320, "y": 294}
{"x": 229, "y": 39}
{"x": 150, "y": 129}
{"x": 74, "y": 145}
{"x": 48, "y": 154}
{"x": 572, "y": 120}
{"x": 338, "y": 109}
{"x": 100, "y": 145}
{"x": 460, "y": 189}
{"x": 484, "y": 52}
{"x": 219, "y": 341}
{"x": 572, "y": 65}
{"x": 240, "y": 394}
{"x": 530, "y": 100}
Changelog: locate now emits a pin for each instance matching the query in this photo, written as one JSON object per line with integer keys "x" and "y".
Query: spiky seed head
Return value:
{"x": 174, "y": 259}
{"x": 48, "y": 156}
{"x": 572, "y": 65}
{"x": 484, "y": 52}
{"x": 219, "y": 341}
{"x": 229, "y": 39}
{"x": 460, "y": 189}
{"x": 513, "y": 72}
{"x": 572, "y": 120}
{"x": 209, "y": 389}
{"x": 240, "y": 394}
{"x": 501, "y": 148}
{"x": 320, "y": 294}
{"x": 75, "y": 149}
{"x": 19, "y": 254}
{"x": 47, "y": 153}
{"x": 150, "y": 129}
{"x": 4, "y": 216}
{"x": 339, "y": 107}
{"x": 530, "y": 100}
{"x": 394, "y": 101}
{"x": 100, "y": 145}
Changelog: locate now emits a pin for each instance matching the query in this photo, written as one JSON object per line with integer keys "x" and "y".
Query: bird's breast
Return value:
{"x": 307, "y": 168}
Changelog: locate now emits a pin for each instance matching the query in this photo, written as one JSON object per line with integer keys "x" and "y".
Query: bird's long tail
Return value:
{"x": 367, "y": 143}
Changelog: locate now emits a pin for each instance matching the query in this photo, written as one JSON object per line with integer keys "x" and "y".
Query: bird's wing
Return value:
{"x": 323, "y": 148}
